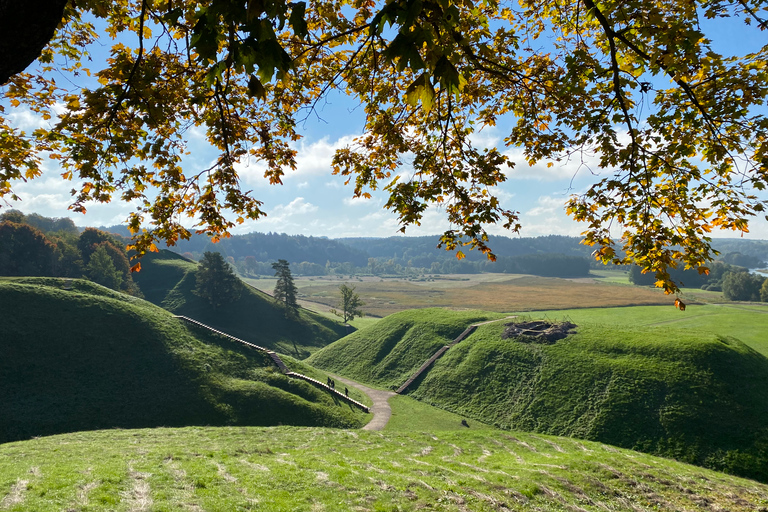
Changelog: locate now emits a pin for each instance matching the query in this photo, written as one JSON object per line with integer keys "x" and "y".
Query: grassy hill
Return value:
{"x": 285, "y": 469}
{"x": 681, "y": 393}
{"x": 388, "y": 352}
{"x": 168, "y": 280}
{"x": 77, "y": 356}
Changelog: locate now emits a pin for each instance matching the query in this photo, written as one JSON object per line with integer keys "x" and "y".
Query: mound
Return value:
{"x": 391, "y": 350}
{"x": 168, "y": 280}
{"x": 77, "y": 356}
{"x": 679, "y": 393}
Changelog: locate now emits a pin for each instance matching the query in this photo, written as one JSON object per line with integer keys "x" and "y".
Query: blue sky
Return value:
{"x": 314, "y": 202}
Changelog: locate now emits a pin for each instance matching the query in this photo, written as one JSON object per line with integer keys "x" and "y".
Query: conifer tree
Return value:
{"x": 285, "y": 290}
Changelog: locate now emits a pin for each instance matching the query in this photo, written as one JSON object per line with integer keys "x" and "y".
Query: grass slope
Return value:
{"x": 77, "y": 356}
{"x": 289, "y": 469}
{"x": 390, "y": 351}
{"x": 660, "y": 388}
{"x": 686, "y": 394}
{"x": 168, "y": 280}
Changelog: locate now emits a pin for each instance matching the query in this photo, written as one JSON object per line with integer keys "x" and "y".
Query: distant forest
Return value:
{"x": 253, "y": 254}
{"x": 552, "y": 256}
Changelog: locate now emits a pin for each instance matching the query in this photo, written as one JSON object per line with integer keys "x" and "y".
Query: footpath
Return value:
{"x": 380, "y": 409}
{"x": 279, "y": 363}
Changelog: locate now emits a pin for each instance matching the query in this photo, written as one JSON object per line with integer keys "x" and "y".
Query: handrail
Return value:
{"x": 278, "y": 362}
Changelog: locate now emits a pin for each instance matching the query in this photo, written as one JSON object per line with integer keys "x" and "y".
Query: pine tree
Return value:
{"x": 216, "y": 281}
{"x": 285, "y": 290}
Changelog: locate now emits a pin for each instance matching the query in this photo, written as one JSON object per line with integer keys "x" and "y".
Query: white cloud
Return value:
{"x": 361, "y": 201}
{"x": 296, "y": 207}
{"x": 548, "y": 217}
{"x": 566, "y": 169}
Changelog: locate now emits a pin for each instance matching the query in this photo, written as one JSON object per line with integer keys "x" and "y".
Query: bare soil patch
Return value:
{"x": 538, "y": 331}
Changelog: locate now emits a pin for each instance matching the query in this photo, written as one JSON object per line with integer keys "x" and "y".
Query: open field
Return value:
{"x": 491, "y": 292}
{"x": 290, "y": 469}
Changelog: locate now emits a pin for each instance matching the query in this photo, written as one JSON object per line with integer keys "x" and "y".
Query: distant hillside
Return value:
{"x": 674, "y": 392}
{"x": 77, "y": 356}
{"x": 408, "y": 247}
{"x": 168, "y": 280}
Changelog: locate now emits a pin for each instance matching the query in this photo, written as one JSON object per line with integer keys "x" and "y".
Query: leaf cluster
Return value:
{"x": 677, "y": 127}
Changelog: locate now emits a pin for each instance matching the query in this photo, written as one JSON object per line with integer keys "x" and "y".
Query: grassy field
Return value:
{"x": 78, "y": 356}
{"x": 627, "y": 378}
{"x": 410, "y": 415}
{"x": 291, "y": 469}
{"x": 747, "y": 322}
{"x": 168, "y": 280}
{"x": 491, "y": 292}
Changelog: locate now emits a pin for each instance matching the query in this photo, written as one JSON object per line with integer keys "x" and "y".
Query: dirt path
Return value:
{"x": 380, "y": 408}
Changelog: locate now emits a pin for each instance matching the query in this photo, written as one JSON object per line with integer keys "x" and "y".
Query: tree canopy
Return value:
{"x": 215, "y": 280}
{"x": 678, "y": 127}
{"x": 349, "y": 305}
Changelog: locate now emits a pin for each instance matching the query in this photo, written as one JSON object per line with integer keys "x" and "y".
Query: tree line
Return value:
{"x": 32, "y": 245}
{"x": 735, "y": 282}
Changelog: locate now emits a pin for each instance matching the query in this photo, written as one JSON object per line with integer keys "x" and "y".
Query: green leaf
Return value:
{"x": 256, "y": 89}
{"x": 421, "y": 89}
{"x": 297, "y": 20}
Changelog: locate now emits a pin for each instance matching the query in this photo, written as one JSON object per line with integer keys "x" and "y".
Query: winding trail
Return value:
{"x": 380, "y": 408}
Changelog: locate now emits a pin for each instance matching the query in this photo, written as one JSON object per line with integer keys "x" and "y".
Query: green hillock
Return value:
{"x": 77, "y": 356}
{"x": 168, "y": 280}
{"x": 681, "y": 393}
{"x": 388, "y": 352}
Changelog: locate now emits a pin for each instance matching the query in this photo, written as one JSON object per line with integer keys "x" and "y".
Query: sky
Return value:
{"x": 314, "y": 202}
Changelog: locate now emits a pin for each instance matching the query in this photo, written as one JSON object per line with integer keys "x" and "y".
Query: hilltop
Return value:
{"x": 168, "y": 280}
{"x": 78, "y": 356}
{"x": 681, "y": 393}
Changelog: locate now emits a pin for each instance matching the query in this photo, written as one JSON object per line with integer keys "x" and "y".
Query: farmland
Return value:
{"x": 490, "y": 292}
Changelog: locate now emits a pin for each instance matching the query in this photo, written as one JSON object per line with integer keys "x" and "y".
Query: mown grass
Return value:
{"x": 77, "y": 356}
{"x": 409, "y": 415}
{"x": 388, "y": 352}
{"x": 681, "y": 393}
{"x": 650, "y": 378}
{"x": 168, "y": 280}
{"x": 289, "y": 469}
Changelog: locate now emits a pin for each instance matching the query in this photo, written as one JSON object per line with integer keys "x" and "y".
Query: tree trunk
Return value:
{"x": 26, "y": 26}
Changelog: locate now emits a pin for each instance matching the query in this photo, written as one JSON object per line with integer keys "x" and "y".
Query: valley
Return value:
{"x": 492, "y": 424}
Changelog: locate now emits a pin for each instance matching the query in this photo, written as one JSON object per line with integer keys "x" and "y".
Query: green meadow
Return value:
{"x": 284, "y": 469}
